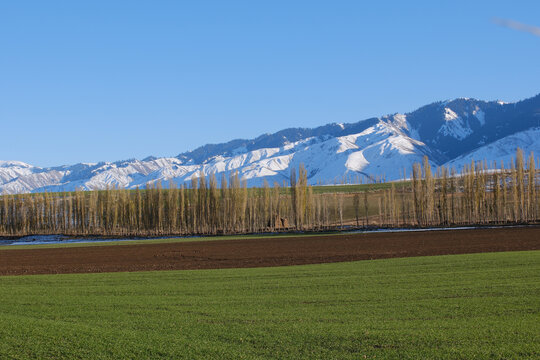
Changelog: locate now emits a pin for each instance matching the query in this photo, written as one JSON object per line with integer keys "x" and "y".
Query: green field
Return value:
{"x": 454, "y": 307}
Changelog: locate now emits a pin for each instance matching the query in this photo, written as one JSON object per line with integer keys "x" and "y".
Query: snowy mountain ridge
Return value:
{"x": 450, "y": 133}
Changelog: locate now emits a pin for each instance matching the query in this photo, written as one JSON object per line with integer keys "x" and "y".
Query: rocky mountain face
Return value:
{"x": 450, "y": 133}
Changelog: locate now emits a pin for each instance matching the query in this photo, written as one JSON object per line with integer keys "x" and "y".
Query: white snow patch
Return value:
{"x": 455, "y": 126}
{"x": 480, "y": 115}
{"x": 356, "y": 161}
{"x": 12, "y": 163}
{"x": 347, "y": 143}
{"x": 401, "y": 120}
{"x": 450, "y": 115}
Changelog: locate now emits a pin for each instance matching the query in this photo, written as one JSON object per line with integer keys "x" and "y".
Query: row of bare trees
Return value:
{"x": 479, "y": 194}
{"x": 201, "y": 207}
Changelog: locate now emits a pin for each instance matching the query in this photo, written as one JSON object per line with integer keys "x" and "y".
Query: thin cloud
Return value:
{"x": 518, "y": 26}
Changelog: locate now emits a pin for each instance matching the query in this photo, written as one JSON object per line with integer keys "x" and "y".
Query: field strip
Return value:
{"x": 96, "y": 241}
{"x": 265, "y": 252}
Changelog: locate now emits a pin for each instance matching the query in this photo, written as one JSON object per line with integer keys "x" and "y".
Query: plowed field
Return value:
{"x": 265, "y": 251}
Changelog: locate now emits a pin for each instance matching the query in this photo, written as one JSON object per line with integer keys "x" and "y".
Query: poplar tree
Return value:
{"x": 356, "y": 204}
{"x": 531, "y": 185}
{"x": 294, "y": 197}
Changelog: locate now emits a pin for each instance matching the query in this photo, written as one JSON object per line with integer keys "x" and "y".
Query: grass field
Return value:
{"x": 461, "y": 306}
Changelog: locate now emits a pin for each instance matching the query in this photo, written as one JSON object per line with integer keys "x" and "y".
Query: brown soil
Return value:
{"x": 265, "y": 251}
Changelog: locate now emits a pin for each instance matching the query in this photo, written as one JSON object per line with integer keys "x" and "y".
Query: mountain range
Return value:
{"x": 450, "y": 133}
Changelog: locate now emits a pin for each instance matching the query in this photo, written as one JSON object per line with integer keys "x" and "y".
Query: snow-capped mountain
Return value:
{"x": 450, "y": 133}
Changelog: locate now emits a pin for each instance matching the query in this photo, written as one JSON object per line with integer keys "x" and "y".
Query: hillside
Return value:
{"x": 448, "y": 132}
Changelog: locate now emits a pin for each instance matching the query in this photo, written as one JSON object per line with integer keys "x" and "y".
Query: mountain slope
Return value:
{"x": 503, "y": 150}
{"x": 449, "y": 132}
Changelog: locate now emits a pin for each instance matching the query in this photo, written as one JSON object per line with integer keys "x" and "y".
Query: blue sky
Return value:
{"x": 86, "y": 81}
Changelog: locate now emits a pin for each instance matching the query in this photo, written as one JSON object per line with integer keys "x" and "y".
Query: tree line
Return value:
{"x": 479, "y": 194}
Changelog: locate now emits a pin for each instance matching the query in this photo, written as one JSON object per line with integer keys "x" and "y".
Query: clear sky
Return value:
{"x": 86, "y": 81}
